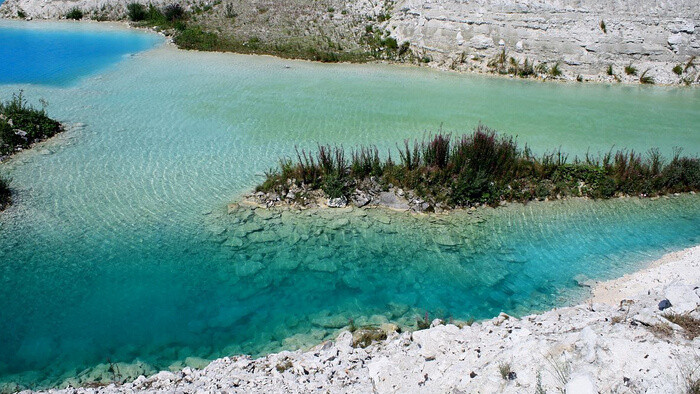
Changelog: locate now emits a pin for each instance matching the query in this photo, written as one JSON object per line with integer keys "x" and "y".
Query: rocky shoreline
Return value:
{"x": 395, "y": 199}
{"x": 618, "y": 341}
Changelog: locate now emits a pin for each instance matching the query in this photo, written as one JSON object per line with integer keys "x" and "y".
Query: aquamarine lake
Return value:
{"x": 119, "y": 246}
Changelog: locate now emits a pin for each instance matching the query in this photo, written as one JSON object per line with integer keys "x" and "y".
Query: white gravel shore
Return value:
{"x": 617, "y": 342}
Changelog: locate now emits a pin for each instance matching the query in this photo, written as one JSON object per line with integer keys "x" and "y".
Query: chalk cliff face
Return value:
{"x": 586, "y": 36}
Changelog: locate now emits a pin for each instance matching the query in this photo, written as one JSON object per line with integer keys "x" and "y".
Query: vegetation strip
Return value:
{"x": 21, "y": 125}
{"x": 187, "y": 34}
{"x": 474, "y": 169}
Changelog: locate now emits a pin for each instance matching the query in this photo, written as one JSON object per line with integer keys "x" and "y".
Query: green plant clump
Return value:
{"x": 136, "y": 12}
{"x": 5, "y": 193}
{"x": 21, "y": 125}
{"x": 646, "y": 79}
{"x": 484, "y": 168}
{"x": 630, "y": 70}
{"x": 75, "y": 14}
{"x": 678, "y": 69}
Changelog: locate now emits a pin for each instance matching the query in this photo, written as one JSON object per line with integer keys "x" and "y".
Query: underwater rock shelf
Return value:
{"x": 481, "y": 168}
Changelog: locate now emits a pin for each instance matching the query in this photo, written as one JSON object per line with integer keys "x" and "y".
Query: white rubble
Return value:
{"x": 614, "y": 343}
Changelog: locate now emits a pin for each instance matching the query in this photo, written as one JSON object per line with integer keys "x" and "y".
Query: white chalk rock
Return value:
{"x": 588, "y": 342}
{"x": 683, "y": 298}
{"x": 481, "y": 41}
{"x": 581, "y": 384}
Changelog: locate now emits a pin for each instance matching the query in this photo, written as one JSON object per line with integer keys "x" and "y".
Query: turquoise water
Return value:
{"x": 119, "y": 245}
{"x": 59, "y": 54}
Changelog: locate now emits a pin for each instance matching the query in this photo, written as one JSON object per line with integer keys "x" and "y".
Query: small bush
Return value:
{"x": 423, "y": 323}
{"x": 555, "y": 71}
{"x": 630, "y": 69}
{"x": 174, "y": 12}
{"x": 678, "y": 69}
{"x": 646, "y": 79}
{"x": 5, "y": 193}
{"x": 21, "y": 14}
{"x": 506, "y": 371}
{"x": 610, "y": 70}
{"x": 136, "y": 12}
{"x": 603, "y": 27}
{"x": 28, "y": 124}
{"x": 75, "y": 14}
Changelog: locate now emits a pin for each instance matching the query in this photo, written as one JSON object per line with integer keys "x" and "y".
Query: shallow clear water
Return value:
{"x": 119, "y": 246}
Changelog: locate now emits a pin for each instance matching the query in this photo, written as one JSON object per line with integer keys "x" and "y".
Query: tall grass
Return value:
{"x": 21, "y": 124}
{"x": 485, "y": 167}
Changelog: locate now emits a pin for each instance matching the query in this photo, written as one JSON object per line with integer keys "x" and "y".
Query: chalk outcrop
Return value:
{"x": 618, "y": 342}
{"x": 585, "y": 36}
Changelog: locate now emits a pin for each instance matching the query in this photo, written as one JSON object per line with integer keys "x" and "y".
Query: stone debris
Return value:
{"x": 611, "y": 344}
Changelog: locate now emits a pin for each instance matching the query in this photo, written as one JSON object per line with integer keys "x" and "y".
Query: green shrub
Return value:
{"x": 174, "y": 12}
{"x": 555, "y": 71}
{"x": 5, "y": 193}
{"x": 678, "y": 69}
{"x": 21, "y": 14}
{"x": 630, "y": 69}
{"x": 610, "y": 70}
{"x": 75, "y": 14}
{"x": 155, "y": 16}
{"x": 603, "y": 27}
{"x": 471, "y": 188}
{"x": 193, "y": 37}
{"x": 34, "y": 123}
{"x": 646, "y": 79}
{"x": 136, "y": 12}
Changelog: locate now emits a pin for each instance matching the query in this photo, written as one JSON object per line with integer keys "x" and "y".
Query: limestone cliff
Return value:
{"x": 586, "y": 36}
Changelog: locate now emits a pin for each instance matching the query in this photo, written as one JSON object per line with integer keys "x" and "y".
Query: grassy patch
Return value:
{"x": 21, "y": 124}
{"x": 484, "y": 168}
{"x": 646, "y": 79}
{"x": 630, "y": 70}
{"x": 690, "y": 325}
{"x": 661, "y": 330}
{"x": 75, "y": 14}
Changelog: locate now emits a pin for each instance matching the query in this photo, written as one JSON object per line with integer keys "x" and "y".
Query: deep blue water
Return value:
{"x": 51, "y": 54}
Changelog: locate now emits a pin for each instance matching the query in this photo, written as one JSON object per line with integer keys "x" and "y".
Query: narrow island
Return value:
{"x": 481, "y": 168}
{"x": 21, "y": 125}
